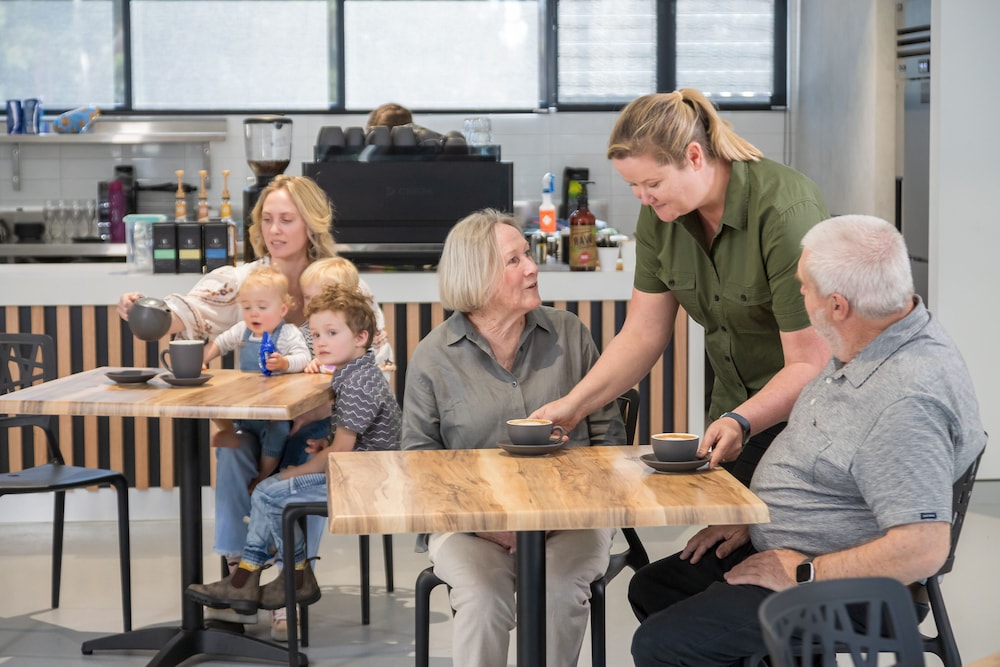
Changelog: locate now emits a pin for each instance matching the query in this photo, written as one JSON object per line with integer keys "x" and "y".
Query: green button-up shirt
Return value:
{"x": 742, "y": 289}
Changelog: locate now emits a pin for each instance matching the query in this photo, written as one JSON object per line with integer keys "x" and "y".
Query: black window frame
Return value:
{"x": 548, "y": 67}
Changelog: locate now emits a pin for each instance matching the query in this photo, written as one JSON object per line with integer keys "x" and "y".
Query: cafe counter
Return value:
{"x": 75, "y": 304}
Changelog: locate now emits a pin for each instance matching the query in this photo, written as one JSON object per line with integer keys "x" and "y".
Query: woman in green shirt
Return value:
{"x": 719, "y": 233}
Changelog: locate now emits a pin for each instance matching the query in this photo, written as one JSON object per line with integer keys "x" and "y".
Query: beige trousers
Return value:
{"x": 482, "y": 580}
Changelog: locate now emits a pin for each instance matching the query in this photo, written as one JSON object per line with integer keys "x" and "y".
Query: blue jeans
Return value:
{"x": 266, "y": 507}
{"x": 236, "y": 467}
{"x": 272, "y": 435}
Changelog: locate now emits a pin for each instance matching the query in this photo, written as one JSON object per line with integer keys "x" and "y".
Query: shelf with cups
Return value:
{"x": 126, "y": 130}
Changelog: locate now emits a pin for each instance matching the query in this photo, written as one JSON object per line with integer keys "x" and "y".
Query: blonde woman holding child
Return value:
{"x": 291, "y": 230}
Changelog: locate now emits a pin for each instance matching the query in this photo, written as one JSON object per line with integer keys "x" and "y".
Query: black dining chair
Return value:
{"x": 634, "y": 557}
{"x": 295, "y": 514}
{"x": 26, "y": 359}
{"x": 867, "y": 618}
{"x": 942, "y": 643}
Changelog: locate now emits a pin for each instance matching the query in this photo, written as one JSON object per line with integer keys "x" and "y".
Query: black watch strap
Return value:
{"x": 742, "y": 421}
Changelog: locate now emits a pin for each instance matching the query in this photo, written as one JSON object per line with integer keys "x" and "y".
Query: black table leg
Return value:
{"x": 175, "y": 645}
{"x": 531, "y": 598}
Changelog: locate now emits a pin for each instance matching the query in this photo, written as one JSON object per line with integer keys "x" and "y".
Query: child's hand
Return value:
{"x": 312, "y": 367}
{"x": 314, "y": 446}
{"x": 277, "y": 362}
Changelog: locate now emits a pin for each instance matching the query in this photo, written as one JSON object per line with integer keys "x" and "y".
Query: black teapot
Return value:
{"x": 149, "y": 318}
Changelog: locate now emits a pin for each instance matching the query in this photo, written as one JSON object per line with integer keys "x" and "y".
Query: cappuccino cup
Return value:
{"x": 184, "y": 358}
{"x": 675, "y": 447}
{"x": 533, "y": 431}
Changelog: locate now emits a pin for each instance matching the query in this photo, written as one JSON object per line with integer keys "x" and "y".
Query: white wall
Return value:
{"x": 845, "y": 139}
{"x": 844, "y": 119}
{"x": 964, "y": 225}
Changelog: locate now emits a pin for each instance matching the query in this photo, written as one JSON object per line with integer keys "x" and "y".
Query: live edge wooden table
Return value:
{"x": 472, "y": 490}
{"x": 230, "y": 394}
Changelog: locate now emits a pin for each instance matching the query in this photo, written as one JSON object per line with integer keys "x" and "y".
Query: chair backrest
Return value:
{"x": 27, "y": 359}
{"x": 628, "y": 403}
{"x": 865, "y": 617}
{"x": 961, "y": 495}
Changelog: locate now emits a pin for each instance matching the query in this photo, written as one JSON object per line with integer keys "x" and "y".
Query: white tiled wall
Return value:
{"x": 535, "y": 143}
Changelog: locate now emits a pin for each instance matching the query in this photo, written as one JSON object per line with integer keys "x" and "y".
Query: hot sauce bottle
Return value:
{"x": 582, "y": 234}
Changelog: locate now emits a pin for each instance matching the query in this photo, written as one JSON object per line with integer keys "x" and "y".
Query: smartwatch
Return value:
{"x": 805, "y": 572}
{"x": 742, "y": 421}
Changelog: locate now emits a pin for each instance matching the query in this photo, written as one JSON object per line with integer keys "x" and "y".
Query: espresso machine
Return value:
{"x": 268, "y": 141}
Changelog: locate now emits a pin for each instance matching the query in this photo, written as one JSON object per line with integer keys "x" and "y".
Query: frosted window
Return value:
{"x": 231, "y": 54}
{"x": 442, "y": 54}
{"x": 60, "y": 51}
{"x": 607, "y": 50}
{"x": 725, "y": 48}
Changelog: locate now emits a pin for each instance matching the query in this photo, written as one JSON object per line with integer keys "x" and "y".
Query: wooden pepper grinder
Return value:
{"x": 202, "y": 198}
{"x": 180, "y": 203}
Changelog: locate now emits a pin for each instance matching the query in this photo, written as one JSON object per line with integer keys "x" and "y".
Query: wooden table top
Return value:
{"x": 229, "y": 394}
{"x": 488, "y": 490}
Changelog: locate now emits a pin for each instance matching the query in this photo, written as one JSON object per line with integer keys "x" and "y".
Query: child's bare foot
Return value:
{"x": 226, "y": 438}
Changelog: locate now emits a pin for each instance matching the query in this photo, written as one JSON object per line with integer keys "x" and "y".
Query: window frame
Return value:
{"x": 548, "y": 67}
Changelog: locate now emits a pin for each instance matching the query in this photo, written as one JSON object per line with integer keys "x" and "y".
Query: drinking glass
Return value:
{"x": 50, "y": 213}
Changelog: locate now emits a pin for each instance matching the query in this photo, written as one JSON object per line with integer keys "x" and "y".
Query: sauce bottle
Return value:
{"x": 547, "y": 211}
{"x": 582, "y": 234}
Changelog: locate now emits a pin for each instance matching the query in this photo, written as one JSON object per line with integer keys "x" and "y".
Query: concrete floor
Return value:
{"x": 32, "y": 634}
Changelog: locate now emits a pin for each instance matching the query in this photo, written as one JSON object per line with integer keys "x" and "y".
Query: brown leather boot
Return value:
{"x": 272, "y": 595}
{"x": 239, "y": 591}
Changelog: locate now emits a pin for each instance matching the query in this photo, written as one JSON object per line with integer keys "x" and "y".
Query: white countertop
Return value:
{"x": 80, "y": 284}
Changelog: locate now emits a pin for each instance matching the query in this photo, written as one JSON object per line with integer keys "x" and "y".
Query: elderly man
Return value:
{"x": 858, "y": 484}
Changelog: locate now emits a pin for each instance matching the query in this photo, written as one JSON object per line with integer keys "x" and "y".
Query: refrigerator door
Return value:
{"x": 913, "y": 93}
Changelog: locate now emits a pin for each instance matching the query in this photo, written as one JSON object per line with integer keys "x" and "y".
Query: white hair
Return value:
{"x": 862, "y": 258}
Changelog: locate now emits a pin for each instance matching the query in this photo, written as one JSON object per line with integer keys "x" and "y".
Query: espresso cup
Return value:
{"x": 533, "y": 431}
{"x": 675, "y": 447}
{"x": 186, "y": 358}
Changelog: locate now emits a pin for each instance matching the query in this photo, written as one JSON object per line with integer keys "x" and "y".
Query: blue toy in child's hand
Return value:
{"x": 266, "y": 348}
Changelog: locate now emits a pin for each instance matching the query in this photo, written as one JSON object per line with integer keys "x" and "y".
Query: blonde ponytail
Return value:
{"x": 662, "y": 125}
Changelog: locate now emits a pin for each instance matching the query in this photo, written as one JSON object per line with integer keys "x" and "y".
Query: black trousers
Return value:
{"x": 691, "y": 617}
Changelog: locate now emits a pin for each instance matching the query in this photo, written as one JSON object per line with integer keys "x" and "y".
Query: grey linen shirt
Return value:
{"x": 872, "y": 444}
{"x": 459, "y": 397}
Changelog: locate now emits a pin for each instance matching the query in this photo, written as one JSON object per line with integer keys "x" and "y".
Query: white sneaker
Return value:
{"x": 228, "y": 615}
{"x": 279, "y": 625}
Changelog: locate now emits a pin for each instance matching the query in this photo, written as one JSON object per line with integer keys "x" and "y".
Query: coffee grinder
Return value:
{"x": 268, "y": 142}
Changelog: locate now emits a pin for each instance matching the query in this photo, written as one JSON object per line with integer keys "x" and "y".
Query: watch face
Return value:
{"x": 804, "y": 572}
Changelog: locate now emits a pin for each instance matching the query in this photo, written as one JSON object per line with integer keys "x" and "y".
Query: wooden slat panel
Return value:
{"x": 63, "y": 353}
{"x": 91, "y": 455}
{"x": 607, "y": 323}
{"x": 412, "y": 328}
{"x": 145, "y": 468}
{"x": 680, "y": 371}
{"x": 116, "y": 425}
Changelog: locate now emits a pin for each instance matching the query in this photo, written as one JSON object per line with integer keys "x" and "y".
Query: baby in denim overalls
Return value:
{"x": 264, "y": 300}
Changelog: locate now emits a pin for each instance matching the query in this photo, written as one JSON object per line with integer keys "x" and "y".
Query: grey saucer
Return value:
{"x": 131, "y": 375}
{"x": 185, "y": 382}
{"x": 530, "y": 450}
{"x": 672, "y": 466}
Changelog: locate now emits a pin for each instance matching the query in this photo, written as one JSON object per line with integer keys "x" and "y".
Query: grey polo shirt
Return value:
{"x": 872, "y": 444}
{"x": 459, "y": 397}
{"x": 743, "y": 289}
